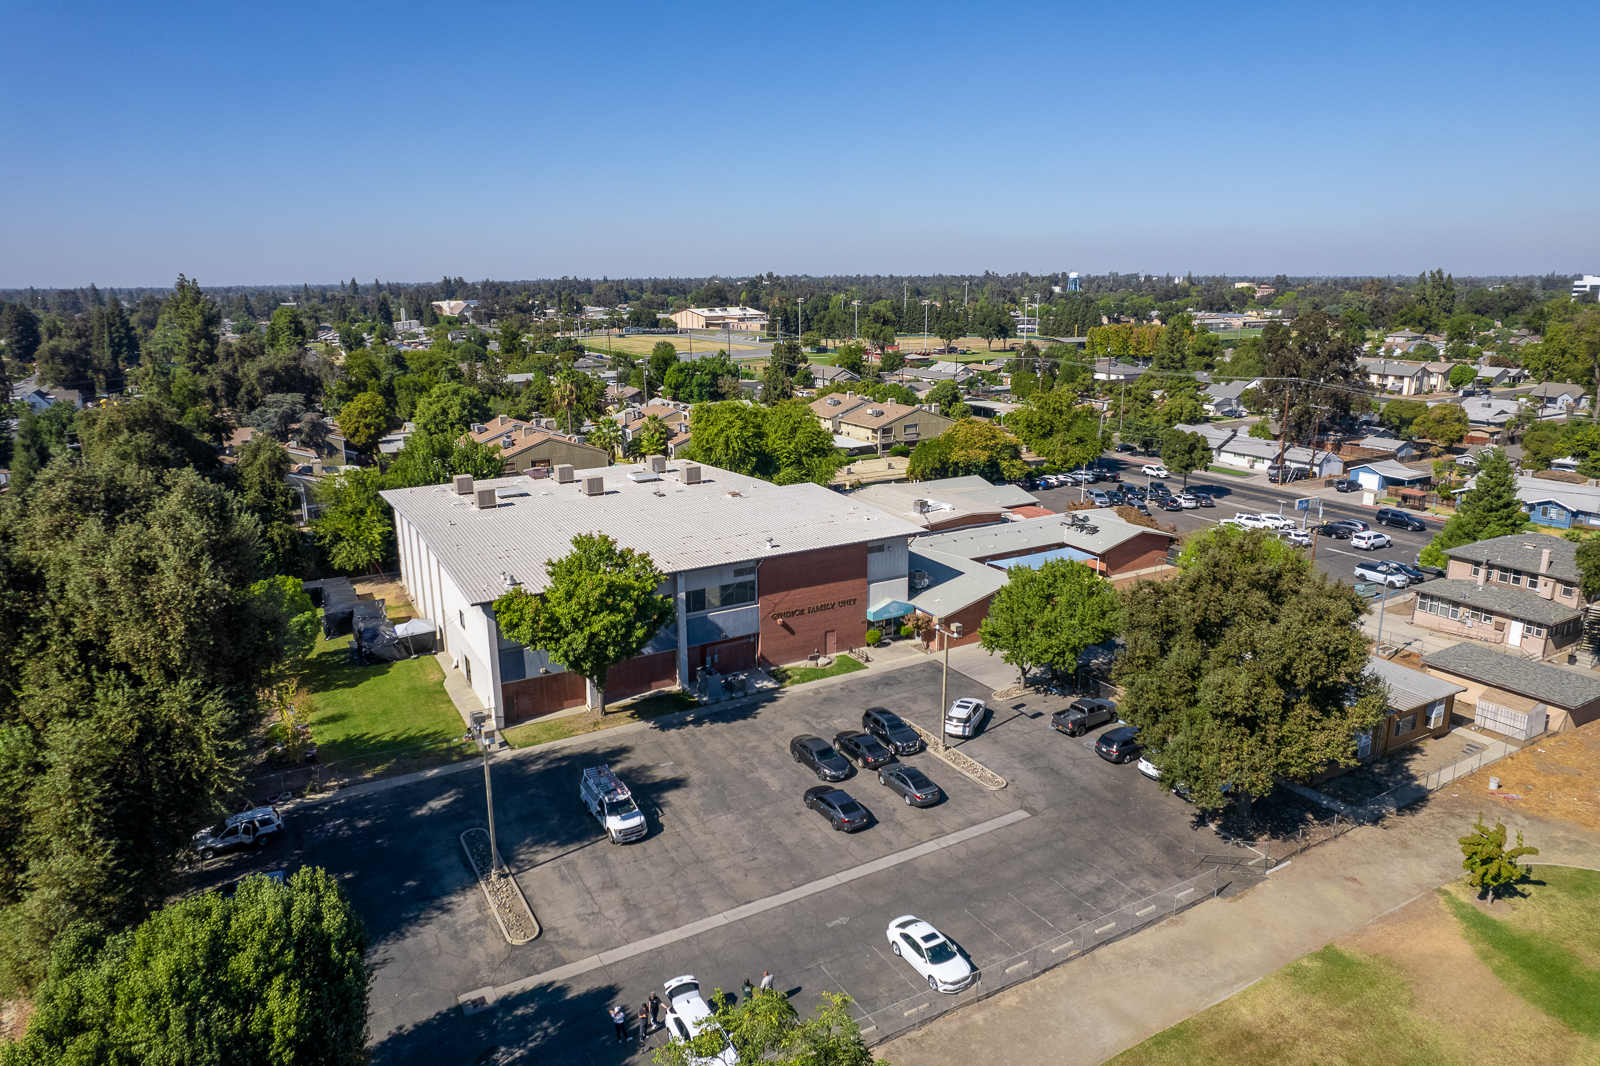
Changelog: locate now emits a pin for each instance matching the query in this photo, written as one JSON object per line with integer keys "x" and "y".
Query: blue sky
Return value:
{"x": 309, "y": 142}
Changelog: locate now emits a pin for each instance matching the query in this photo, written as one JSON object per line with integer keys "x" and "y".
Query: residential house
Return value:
{"x": 1386, "y": 474}
{"x": 1223, "y": 397}
{"x": 1117, "y": 372}
{"x": 1495, "y": 377}
{"x": 883, "y": 425}
{"x": 455, "y": 308}
{"x": 525, "y": 447}
{"x": 1517, "y": 697}
{"x": 1555, "y": 398}
{"x": 391, "y": 443}
{"x": 621, "y": 395}
{"x": 1523, "y": 591}
{"x": 1402, "y": 450}
{"x": 1249, "y": 453}
{"x": 947, "y": 503}
{"x": 1216, "y": 436}
{"x": 1390, "y": 375}
{"x": 823, "y": 375}
{"x": 1489, "y": 413}
{"x": 1420, "y": 706}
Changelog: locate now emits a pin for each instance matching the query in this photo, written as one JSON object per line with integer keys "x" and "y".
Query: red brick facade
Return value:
{"x": 642, "y": 674}
{"x": 807, "y": 596}
{"x": 970, "y": 617}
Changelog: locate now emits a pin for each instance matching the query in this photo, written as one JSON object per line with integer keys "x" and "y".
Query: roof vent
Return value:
{"x": 833, "y": 401}
{"x": 658, "y": 464}
{"x": 463, "y": 484}
{"x": 637, "y": 476}
{"x": 484, "y": 497}
{"x": 689, "y": 473}
{"x": 479, "y": 427}
{"x": 876, "y": 412}
{"x": 594, "y": 485}
{"x": 564, "y": 474}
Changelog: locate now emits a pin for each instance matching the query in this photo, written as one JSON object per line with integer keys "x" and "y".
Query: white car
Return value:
{"x": 1248, "y": 520}
{"x": 931, "y": 954}
{"x": 1370, "y": 540}
{"x": 1298, "y": 537}
{"x": 1276, "y": 521}
{"x": 1188, "y": 502}
{"x": 1149, "y": 769}
{"x": 964, "y": 717}
{"x": 688, "y": 1016}
{"x": 1370, "y": 572}
{"x": 1154, "y": 470}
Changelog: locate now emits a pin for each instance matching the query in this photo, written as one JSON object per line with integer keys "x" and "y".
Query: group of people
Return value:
{"x": 650, "y": 1010}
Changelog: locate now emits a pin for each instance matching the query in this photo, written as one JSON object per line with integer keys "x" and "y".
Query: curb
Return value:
{"x": 494, "y": 908}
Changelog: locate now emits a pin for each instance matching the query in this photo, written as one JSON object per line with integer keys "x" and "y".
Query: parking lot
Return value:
{"x": 735, "y": 876}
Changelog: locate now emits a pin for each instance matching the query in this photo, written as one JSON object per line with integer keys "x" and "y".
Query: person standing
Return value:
{"x": 644, "y": 1022}
{"x": 766, "y": 980}
{"x": 655, "y": 1009}
{"x": 749, "y": 990}
{"x": 619, "y": 1019}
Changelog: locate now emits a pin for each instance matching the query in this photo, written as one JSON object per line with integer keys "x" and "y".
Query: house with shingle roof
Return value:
{"x": 1515, "y": 696}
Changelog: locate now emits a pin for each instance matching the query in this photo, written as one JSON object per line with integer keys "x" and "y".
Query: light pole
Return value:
{"x": 857, "y": 305}
{"x": 944, "y": 682}
{"x": 925, "y": 345}
{"x": 800, "y": 317}
{"x": 474, "y": 733}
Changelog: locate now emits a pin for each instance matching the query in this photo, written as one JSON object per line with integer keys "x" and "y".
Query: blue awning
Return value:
{"x": 888, "y": 609}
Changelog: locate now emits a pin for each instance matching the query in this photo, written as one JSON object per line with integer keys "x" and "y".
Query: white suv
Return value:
{"x": 1249, "y": 520}
{"x": 688, "y": 1016}
{"x": 1276, "y": 521}
{"x": 1370, "y": 540}
{"x": 1154, "y": 470}
{"x": 964, "y": 717}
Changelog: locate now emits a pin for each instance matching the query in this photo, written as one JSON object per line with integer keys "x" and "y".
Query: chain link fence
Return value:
{"x": 915, "y": 1011}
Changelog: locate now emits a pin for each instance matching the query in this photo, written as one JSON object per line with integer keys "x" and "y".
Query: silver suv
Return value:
{"x": 964, "y": 717}
{"x": 256, "y": 827}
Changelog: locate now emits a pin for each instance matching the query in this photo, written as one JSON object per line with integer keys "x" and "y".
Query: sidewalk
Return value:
{"x": 1086, "y": 1011}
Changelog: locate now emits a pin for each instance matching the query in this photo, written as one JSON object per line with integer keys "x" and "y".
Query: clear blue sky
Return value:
{"x": 256, "y": 143}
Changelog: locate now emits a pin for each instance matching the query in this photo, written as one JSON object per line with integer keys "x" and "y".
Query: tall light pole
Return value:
{"x": 800, "y": 317}
{"x": 925, "y": 304}
{"x": 857, "y": 305}
{"x": 474, "y": 733}
{"x": 944, "y": 682}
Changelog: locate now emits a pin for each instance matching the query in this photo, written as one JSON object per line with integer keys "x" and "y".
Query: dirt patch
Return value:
{"x": 14, "y": 1015}
{"x": 387, "y": 589}
{"x": 1556, "y": 777}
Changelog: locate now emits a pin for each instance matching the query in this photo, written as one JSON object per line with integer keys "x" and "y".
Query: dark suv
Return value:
{"x": 1082, "y": 716}
{"x": 816, "y": 753}
{"x": 888, "y": 727}
{"x": 1389, "y": 516}
{"x": 1118, "y": 745}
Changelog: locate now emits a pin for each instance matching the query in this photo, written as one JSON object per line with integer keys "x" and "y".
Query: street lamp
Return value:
{"x": 925, "y": 345}
{"x": 800, "y": 317}
{"x": 944, "y": 682}
{"x": 474, "y": 733}
{"x": 857, "y": 305}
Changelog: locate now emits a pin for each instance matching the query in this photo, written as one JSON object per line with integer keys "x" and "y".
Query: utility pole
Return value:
{"x": 497, "y": 868}
{"x": 944, "y": 682}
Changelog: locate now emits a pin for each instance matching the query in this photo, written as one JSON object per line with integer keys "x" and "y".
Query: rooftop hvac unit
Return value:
{"x": 876, "y": 412}
{"x": 564, "y": 473}
{"x": 658, "y": 464}
{"x": 833, "y": 401}
{"x": 479, "y": 427}
{"x": 919, "y": 579}
{"x": 594, "y": 485}
{"x": 919, "y": 506}
{"x": 485, "y": 498}
{"x": 690, "y": 473}
{"x": 463, "y": 484}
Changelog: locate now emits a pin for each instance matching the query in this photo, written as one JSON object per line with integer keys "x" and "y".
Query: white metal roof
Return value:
{"x": 725, "y": 518}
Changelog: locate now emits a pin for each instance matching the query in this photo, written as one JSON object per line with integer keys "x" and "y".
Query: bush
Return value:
{"x": 899, "y": 451}
{"x": 907, "y": 631}
{"x": 873, "y": 636}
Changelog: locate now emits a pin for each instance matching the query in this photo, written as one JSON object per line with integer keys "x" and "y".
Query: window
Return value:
{"x": 1402, "y": 726}
{"x": 1529, "y": 629}
{"x": 1476, "y": 570}
{"x": 1566, "y": 591}
{"x": 461, "y": 616}
{"x": 1516, "y": 577}
{"x": 1544, "y": 511}
{"x": 874, "y": 549}
{"x": 730, "y": 595}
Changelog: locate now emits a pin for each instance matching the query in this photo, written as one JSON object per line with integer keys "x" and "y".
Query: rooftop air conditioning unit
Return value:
{"x": 564, "y": 473}
{"x": 658, "y": 464}
{"x": 833, "y": 401}
{"x": 484, "y": 498}
{"x": 689, "y": 473}
{"x": 463, "y": 484}
{"x": 919, "y": 579}
{"x": 919, "y": 506}
{"x": 876, "y": 412}
{"x": 479, "y": 427}
{"x": 594, "y": 485}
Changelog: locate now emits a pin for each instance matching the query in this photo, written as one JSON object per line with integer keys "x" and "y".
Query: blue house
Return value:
{"x": 1386, "y": 473}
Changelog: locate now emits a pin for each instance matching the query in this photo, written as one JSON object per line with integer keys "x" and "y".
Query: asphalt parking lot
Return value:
{"x": 1071, "y": 838}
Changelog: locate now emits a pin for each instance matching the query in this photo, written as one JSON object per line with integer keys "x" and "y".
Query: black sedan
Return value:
{"x": 1170, "y": 503}
{"x": 1134, "y": 492}
{"x": 1334, "y": 530}
{"x": 893, "y": 731}
{"x": 835, "y": 804}
{"x": 1116, "y": 497}
{"x": 866, "y": 750}
{"x": 816, "y": 753}
{"x": 912, "y": 785}
{"x": 1142, "y": 508}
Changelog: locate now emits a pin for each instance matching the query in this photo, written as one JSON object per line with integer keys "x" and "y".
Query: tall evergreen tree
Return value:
{"x": 19, "y": 328}
{"x": 1489, "y": 509}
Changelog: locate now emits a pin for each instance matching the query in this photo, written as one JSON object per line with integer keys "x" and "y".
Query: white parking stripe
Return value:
{"x": 489, "y": 995}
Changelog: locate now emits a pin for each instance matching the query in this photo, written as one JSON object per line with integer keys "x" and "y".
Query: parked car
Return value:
{"x": 1116, "y": 498}
{"x": 1249, "y": 520}
{"x": 965, "y": 717}
{"x": 1431, "y": 571}
{"x": 836, "y": 805}
{"x": 1110, "y": 475}
{"x": 931, "y": 954}
{"x": 1187, "y": 501}
{"x": 1170, "y": 503}
{"x": 864, "y": 749}
{"x": 893, "y": 731}
{"x": 1119, "y": 744}
{"x": 1098, "y": 498}
{"x": 1276, "y": 521}
{"x": 911, "y": 784}
{"x": 1354, "y": 525}
{"x": 1159, "y": 487}
{"x": 1126, "y": 448}
{"x": 1370, "y": 541}
{"x": 1415, "y": 573}
{"x": 1412, "y": 575}
{"x": 1391, "y": 516}
{"x": 1298, "y": 537}
{"x": 257, "y": 826}
{"x": 1335, "y": 530}
{"x": 1382, "y": 575}
{"x": 1154, "y": 470}
{"x": 1281, "y": 477}
{"x": 1149, "y": 769}
{"x": 1344, "y": 484}
{"x": 1142, "y": 508}
{"x": 1204, "y": 499}
{"x": 611, "y": 804}
{"x": 1080, "y": 716}
{"x": 688, "y": 1016}
{"x": 819, "y": 755}
{"x": 1134, "y": 492}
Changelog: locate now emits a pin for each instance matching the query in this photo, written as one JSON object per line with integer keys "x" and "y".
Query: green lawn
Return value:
{"x": 572, "y": 725}
{"x": 799, "y": 675}
{"x": 1229, "y": 471}
{"x": 365, "y": 710}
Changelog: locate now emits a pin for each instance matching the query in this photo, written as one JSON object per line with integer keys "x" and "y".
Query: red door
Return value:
{"x": 830, "y": 641}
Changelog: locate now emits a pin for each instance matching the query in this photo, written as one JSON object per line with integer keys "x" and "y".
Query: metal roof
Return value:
{"x": 1501, "y": 602}
{"x": 726, "y": 518}
{"x": 1522, "y": 551}
{"x": 1390, "y": 470}
{"x": 1410, "y": 689}
{"x": 1041, "y": 534}
{"x": 953, "y": 582}
{"x": 1548, "y": 684}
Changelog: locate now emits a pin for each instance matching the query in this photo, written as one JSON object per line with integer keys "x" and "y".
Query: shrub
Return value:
{"x": 873, "y": 636}
{"x": 899, "y": 451}
{"x": 906, "y": 631}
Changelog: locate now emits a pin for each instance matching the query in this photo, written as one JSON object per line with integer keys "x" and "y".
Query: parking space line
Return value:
{"x": 727, "y": 917}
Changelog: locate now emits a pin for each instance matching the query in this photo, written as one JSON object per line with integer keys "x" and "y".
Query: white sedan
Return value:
{"x": 931, "y": 954}
{"x": 1298, "y": 537}
{"x": 688, "y": 1016}
{"x": 1154, "y": 470}
{"x": 1276, "y": 521}
{"x": 1149, "y": 769}
{"x": 1248, "y": 520}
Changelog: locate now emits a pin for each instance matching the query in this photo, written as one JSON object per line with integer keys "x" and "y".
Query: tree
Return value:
{"x": 606, "y": 434}
{"x": 599, "y": 607}
{"x": 948, "y": 397}
{"x": 1489, "y": 509}
{"x": 852, "y": 357}
{"x": 1490, "y": 865}
{"x": 971, "y": 446}
{"x": 1445, "y": 424}
{"x": 276, "y": 974}
{"x": 354, "y": 527}
{"x": 143, "y": 433}
{"x": 1184, "y": 453}
{"x": 276, "y": 413}
{"x": 776, "y": 384}
{"x": 1056, "y": 426}
{"x": 765, "y": 1028}
{"x": 1248, "y": 666}
{"x": 285, "y": 330}
{"x": 663, "y": 357}
{"x": 19, "y": 328}
{"x": 263, "y": 471}
{"x": 193, "y": 320}
{"x": 448, "y": 409}
{"x": 364, "y": 420}
{"x": 1463, "y": 374}
{"x": 890, "y": 362}
{"x": 1048, "y": 616}
{"x": 1401, "y": 415}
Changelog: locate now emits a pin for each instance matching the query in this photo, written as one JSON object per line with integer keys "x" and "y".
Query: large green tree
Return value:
{"x": 1246, "y": 667}
{"x": 971, "y": 446}
{"x": 274, "y": 976}
{"x": 1184, "y": 453}
{"x": 599, "y": 607}
{"x": 1049, "y": 615}
{"x": 1489, "y": 509}
{"x": 263, "y": 472}
{"x": 364, "y": 420}
{"x": 449, "y": 409}
{"x": 354, "y": 528}
{"x": 766, "y": 1029}
{"x": 1057, "y": 426}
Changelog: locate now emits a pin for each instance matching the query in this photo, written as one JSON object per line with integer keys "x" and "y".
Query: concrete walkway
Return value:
{"x": 1088, "y": 1010}
{"x": 459, "y": 690}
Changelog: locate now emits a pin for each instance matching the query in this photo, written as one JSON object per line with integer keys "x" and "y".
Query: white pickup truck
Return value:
{"x": 609, "y": 800}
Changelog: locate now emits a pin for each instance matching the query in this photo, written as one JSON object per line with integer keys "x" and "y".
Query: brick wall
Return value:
{"x": 970, "y": 617}
{"x": 642, "y": 674}
{"x": 802, "y": 583}
{"x": 1140, "y": 553}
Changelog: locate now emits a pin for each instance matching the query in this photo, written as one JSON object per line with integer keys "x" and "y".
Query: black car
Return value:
{"x": 1116, "y": 497}
{"x": 1134, "y": 492}
{"x": 815, "y": 752}
{"x": 866, "y": 750}
{"x": 1389, "y": 516}
{"x": 1142, "y": 508}
{"x": 895, "y": 734}
{"x": 1344, "y": 484}
{"x": 1126, "y": 448}
{"x": 1414, "y": 573}
{"x": 835, "y": 804}
{"x": 1334, "y": 530}
{"x": 1279, "y": 477}
{"x": 912, "y": 785}
{"x": 1082, "y": 716}
{"x": 1354, "y": 525}
{"x": 1170, "y": 503}
{"x": 1118, "y": 745}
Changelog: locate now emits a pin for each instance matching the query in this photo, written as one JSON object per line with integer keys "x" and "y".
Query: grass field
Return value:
{"x": 1447, "y": 980}
{"x": 1229, "y": 471}
{"x": 799, "y": 675}
{"x": 572, "y": 725}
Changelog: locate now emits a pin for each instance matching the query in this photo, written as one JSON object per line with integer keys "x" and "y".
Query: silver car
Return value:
{"x": 964, "y": 717}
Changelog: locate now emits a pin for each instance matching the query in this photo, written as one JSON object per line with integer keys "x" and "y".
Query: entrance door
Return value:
{"x": 830, "y": 641}
{"x": 1514, "y": 635}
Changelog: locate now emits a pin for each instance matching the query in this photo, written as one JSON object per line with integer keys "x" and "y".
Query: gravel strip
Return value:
{"x": 960, "y": 761}
{"x": 506, "y": 901}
